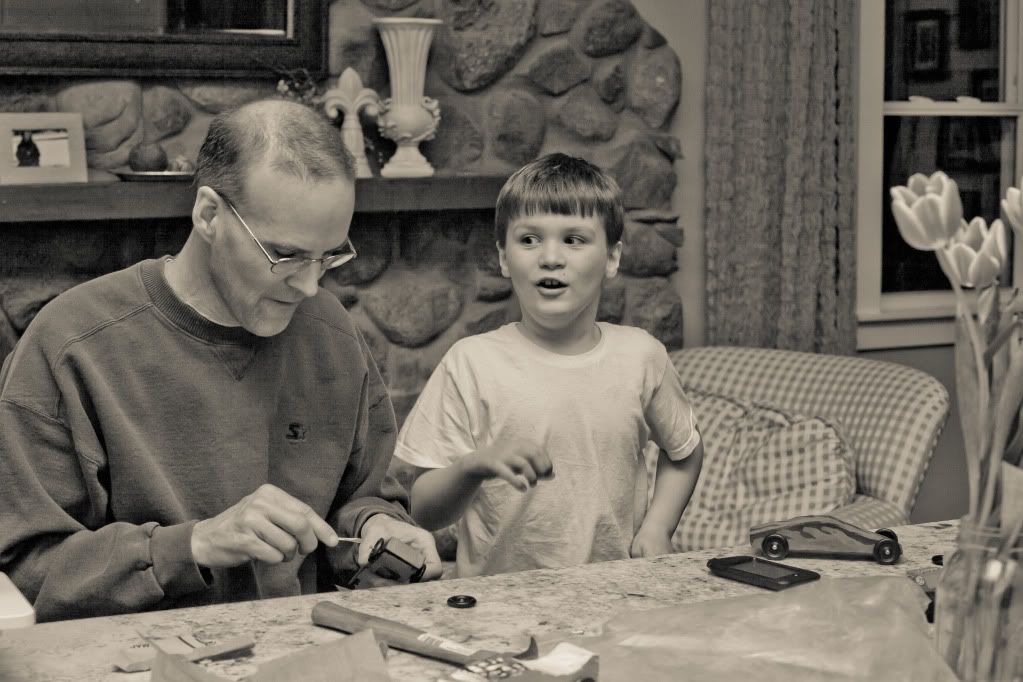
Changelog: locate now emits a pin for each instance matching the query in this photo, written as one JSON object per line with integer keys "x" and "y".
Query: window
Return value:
{"x": 941, "y": 95}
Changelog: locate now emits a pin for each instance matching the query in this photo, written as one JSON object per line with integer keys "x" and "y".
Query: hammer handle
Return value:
{"x": 396, "y": 635}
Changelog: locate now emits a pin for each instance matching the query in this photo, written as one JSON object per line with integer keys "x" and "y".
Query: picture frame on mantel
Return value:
{"x": 42, "y": 148}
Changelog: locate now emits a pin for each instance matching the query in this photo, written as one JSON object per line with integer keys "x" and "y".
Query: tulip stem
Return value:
{"x": 999, "y": 341}
{"x": 973, "y": 464}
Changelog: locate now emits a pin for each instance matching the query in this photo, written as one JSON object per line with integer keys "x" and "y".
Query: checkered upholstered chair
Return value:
{"x": 890, "y": 414}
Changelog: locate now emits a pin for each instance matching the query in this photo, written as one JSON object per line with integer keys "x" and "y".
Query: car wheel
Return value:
{"x": 888, "y": 533}
{"x": 775, "y": 546}
{"x": 887, "y": 551}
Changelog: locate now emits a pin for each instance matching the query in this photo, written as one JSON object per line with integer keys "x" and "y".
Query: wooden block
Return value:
{"x": 177, "y": 668}
{"x": 142, "y": 658}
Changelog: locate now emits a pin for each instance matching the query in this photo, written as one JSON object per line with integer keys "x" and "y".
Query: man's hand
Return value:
{"x": 269, "y": 526}
{"x": 518, "y": 462}
{"x": 383, "y": 527}
{"x": 650, "y": 542}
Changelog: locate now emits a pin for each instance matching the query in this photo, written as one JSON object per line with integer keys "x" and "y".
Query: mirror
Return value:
{"x": 161, "y": 37}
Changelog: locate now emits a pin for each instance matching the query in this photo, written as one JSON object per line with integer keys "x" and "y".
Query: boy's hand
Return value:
{"x": 650, "y": 543}
{"x": 518, "y": 462}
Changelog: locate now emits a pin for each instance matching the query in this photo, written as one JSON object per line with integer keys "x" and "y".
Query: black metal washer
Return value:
{"x": 462, "y": 601}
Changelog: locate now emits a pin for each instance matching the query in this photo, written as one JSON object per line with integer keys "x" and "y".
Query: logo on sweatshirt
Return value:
{"x": 296, "y": 432}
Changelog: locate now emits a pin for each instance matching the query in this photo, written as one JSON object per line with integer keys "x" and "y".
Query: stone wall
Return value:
{"x": 515, "y": 79}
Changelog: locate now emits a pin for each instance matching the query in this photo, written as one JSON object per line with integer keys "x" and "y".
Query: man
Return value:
{"x": 201, "y": 428}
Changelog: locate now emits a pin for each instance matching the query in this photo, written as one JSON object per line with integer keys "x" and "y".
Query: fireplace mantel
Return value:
{"x": 141, "y": 200}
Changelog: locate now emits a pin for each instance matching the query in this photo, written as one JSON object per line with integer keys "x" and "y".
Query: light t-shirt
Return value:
{"x": 592, "y": 413}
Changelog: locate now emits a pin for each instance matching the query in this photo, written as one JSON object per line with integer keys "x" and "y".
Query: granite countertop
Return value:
{"x": 549, "y": 604}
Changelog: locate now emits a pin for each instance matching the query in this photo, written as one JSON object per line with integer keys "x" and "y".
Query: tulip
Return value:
{"x": 979, "y": 237}
{"x": 951, "y": 205}
{"x": 1012, "y": 205}
{"x": 914, "y": 188}
{"x": 920, "y": 224}
{"x": 928, "y": 211}
{"x": 904, "y": 194}
{"x": 918, "y": 183}
{"x": 976, "y": 253}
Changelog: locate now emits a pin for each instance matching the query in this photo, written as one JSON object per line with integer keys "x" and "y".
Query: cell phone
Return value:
{"x": 760, "y": 572}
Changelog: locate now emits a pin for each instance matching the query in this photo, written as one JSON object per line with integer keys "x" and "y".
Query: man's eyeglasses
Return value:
{"x": 289, "y": 265}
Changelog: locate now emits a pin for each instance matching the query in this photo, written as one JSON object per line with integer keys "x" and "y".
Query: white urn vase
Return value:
{"x": 408, "y": 117}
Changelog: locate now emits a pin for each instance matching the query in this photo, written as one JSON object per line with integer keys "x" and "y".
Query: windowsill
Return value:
{"x": 902, "y": 315}
{"x": 912, "y": 320}
{"x": 879, "y": 334}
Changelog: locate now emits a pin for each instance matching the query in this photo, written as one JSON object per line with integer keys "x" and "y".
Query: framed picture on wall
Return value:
{"x": 984, "y": 85}
{"x": 42, "y": 148}
{"x": 969, "y": 144}
{"x": 927, "y": 46}
{"x": 978, "y": 22}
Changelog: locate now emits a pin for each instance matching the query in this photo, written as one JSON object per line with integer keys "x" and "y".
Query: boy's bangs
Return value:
{"x": 560, "y": 185}
{"x": 558, "y": 204}
{"x": 565, "y": 196}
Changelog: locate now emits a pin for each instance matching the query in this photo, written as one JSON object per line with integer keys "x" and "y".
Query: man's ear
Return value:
{"x": 205, "y": 209}
{"x": 505, "y": 272}
{"x": 614, "y": 259}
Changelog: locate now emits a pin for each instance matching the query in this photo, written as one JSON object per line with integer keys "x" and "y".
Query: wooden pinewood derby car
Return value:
{"x": 824, "y": 536}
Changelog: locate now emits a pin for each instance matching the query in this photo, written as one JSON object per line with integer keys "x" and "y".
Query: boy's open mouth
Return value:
{"x": 551, "y": 284}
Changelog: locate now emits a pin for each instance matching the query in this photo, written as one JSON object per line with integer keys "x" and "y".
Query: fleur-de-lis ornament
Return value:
{"x": 349, "y": 99}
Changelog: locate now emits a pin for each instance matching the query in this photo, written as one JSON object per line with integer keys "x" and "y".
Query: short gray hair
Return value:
{"x": 293, "y": 137}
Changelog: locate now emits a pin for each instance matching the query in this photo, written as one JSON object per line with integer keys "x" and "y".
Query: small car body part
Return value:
{"x": 824, "y": 536}
{"x": 394, "y": 560}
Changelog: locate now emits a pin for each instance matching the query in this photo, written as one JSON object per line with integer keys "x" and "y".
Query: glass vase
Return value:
{"x": 978, "y": 617}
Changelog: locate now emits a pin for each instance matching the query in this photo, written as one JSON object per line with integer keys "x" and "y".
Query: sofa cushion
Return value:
{"x": 760, "y": 464}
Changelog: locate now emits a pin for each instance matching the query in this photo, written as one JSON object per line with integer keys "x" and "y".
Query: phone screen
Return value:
{"x": 764, "y": 569}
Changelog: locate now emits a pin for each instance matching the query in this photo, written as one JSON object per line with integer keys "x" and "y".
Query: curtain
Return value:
{"x": 779, "y": 231}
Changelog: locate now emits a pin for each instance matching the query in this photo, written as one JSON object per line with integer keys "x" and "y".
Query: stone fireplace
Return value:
{"x": 515, "y": 79}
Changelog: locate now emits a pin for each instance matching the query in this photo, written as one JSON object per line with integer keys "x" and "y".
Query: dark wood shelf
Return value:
{"x": 141, "y": 200}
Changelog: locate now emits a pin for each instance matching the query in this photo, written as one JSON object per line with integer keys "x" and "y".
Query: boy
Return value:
{"x": 531, "y": 436}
